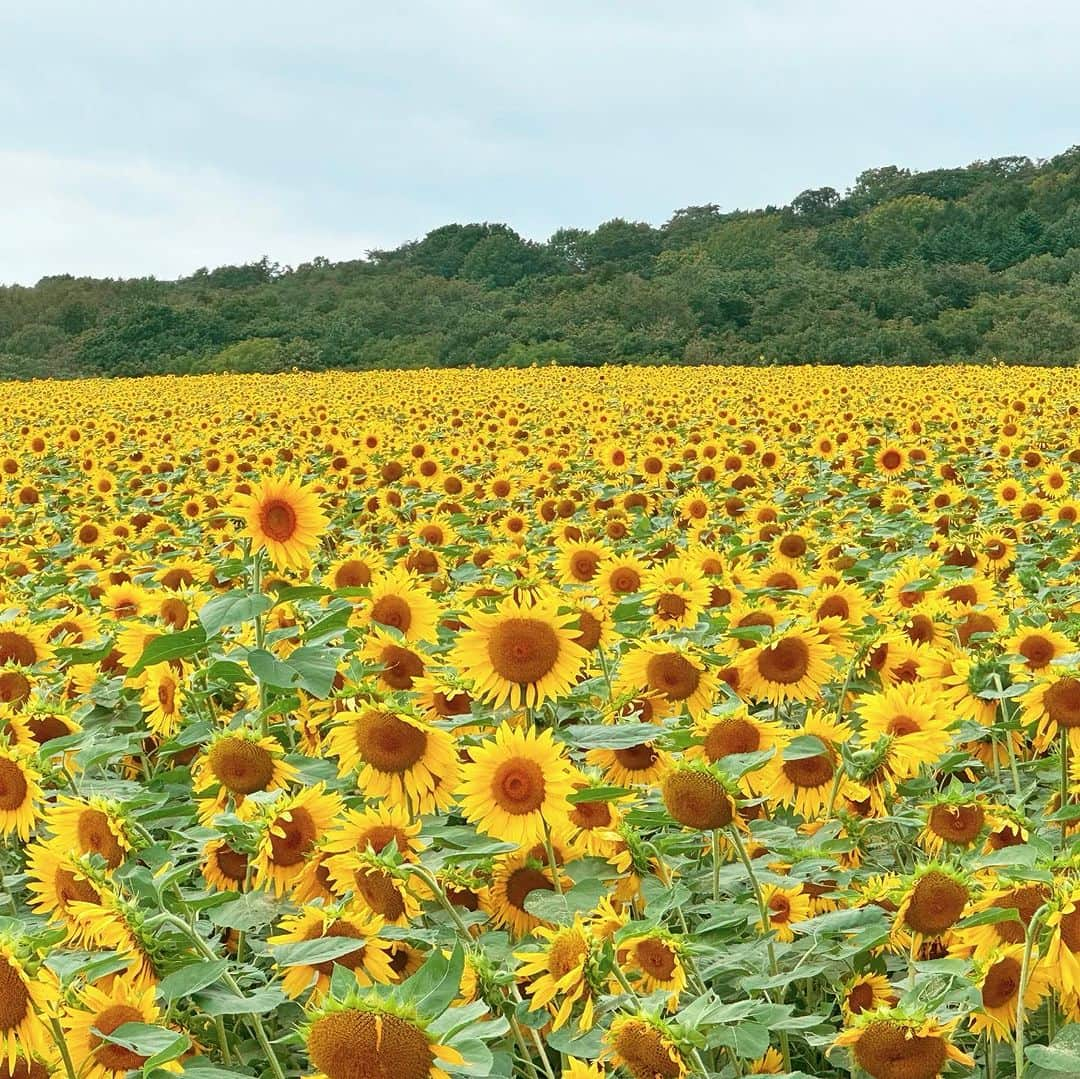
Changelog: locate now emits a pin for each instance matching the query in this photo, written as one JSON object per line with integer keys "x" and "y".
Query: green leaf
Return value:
{"x": 232, "y": 609}
{"x": 614, "y": 736}
{"x": 1053, "y": 1059}
{"x": 311, "y": 952}
{"x": 804, "y": 747}
{"x": 574, "y": 1043}
{"x": 560, "y": 909}
{"x": 312, "y": 669}
{"x": 256, "y": 1002}
{"x": 170, "y": 646}
{"x": 251, "y": 911}
{"x": 148, "y": 1041}
{"x": 190, "y": 979}
{"x": 597, "y": 794}
{"x": 435, "y": 985}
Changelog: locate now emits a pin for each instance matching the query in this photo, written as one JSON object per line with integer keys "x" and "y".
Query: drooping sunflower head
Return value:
{"x": 675, "y": 673}
{"x": 935, "y": 899}
{"x": 698, "y": 796}
{"x": 240, "y": 762}
{"x": 388, "y": 1038}
{"x": 99, "y": 1012}
{"x": 897, "y": 1044}
{"x": 646, "y": 1047}
{"x": 90, "y": 826}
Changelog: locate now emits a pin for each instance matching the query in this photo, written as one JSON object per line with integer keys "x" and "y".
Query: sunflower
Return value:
{"x": 676, "y": 594}
{"x": 224, "y": 868}
{"x": 288, "y": 832}
{"x": 953, "y": 820}
{"x": 573, "y": 1068}
{"x": 697, "y": 796}
{"x": 1053, "y": 703}
{"x": 982, "y": 940}
{"x": 89, "y": 826}
{"x": 399, "y": 756}
{"x": 520, "y": 654}
{"x": 935, "y": 899}
{"x": 56, "y": 878}
{"x": 772, "y": 1063}
{"x": 1036, "y": 647}
{"x": 369, "y": 962}
{"x": 620, "y": 576}
{"x": 282, "y": 518}
{"x": 895, "y": 1044}
{"x": 354, "y": 569}
{"x": 631, "y": 766}
{"x": 916, "y": 724}
{"x": 998, "y": 981}
{"x": 20, "y": 793}
{"x": 791, "y": 665}
{"x": 579, "y": 562}
{"x": 733, "y": 733}
{"x": 517, "y": 876}
{"x": 1063, "y": 954}
{"x": 23, "y": 644}
{"x": 163, "y": 700}
{"x": 98, "y": 1012}
{"x": 559, "y": 971}
{"x": 645, "y": 1047}
{"x": 785, "y": 906}
{"x": 238, "y": 763}
{"x": 659, "y": 958}
{"x": 399, "y": 601}
{"x": 24, "y": 998}
{"x": 376, "y": 883}
{"x": 867, "y": 993}
{"x": 386, "y": 1040}
{"x": 675, "y": 674}
{"x": 516, "y": 785}
{"x": 374, "y": 829}
{"x": 401, "y": 667}
{"x": 114, "y": 923}
{"x": 806, "y": 782}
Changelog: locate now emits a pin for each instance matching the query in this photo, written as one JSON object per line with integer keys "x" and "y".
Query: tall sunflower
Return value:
{"x": 516, "y": 783}
{"x": 558, "y": 972}
{"x": 791, "y": 665}
{"x": 284, "y": 519}
{"x": 675, "y": 674}
{"x": 24, "y": 999}
{"x": 914, "y": 721}
{"x": 521, "y": 654}
{"x": 20, "y": 794}
{"x": 288, "y": 833}
{"x": 237, "y": 763}
{"x": 892, "y": 1043}
{"x": 400, "y": 601}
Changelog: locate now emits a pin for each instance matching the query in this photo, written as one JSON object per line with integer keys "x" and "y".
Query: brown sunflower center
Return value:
{"x": 779, "y": 909}
{"x": 400, "y": 666}
{"x": 380, "y": 837}
{"x": 566, "y": 952}
{"x": 792, "y": 545}
{"x": 14, "y": 998}
{"x": 898, "y": 726}
{"x": 937, "y": 902}
{"x": 352, "y": 574}
{"x": 810, "y": 772}
{"x": 355, "y": 1044}
{"x": 388, "y": 743}
{"x": 1025, "y": 901}
{"x": 656, "y": 958}
{"x": 671, "y": 607}
{"x": 673, "y": 675}
{"x": 1070, "y": 930}
{"x": 277, "y": 519}
{"x": 17, "y": 648}
{"x": 625, "y": 580}
{"x": 1062, "y": 702}
{"x": 860, "y": 998}
{"x": 785, "y": 662}
{"x": 23, "y": 1069}
{"x": 352, "y": 959}
{"x": 71, "y": 888}
{"x": 13, "y": 785}
{"x": 1037, "y": 650}
{"x": 298, "y": 835}
{"x": 697, "y": 799}
{"x": 241, "y": 765}
{"x": 834, "y": 607}
{"x": 645, "y": 1051}
{"x": 583, "y": 565}
{"x": 523, "y": 650}
{"x": 108, "y": 1055}
{"x": 380, "y": 892}
{"x": 887, "y": 1050}
{"x": 96, "y": 837}
{"x": 957, "y": 824}
{"x": 523, "y": 882}
{"x": 518, "y": 786}
{"x": 589, "y": 815}
{"x": 636, "y": 758}
{"x": 233, "y": 864}
{"x": 731, "y": 735}
{"x": 392, "y": 611}
{"x": 1001, "y": 983}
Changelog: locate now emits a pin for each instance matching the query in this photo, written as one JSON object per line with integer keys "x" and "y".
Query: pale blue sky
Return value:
{"x": 148, "y": 137}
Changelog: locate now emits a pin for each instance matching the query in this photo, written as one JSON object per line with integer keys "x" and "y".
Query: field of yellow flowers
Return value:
{"x": 617, "y": 722}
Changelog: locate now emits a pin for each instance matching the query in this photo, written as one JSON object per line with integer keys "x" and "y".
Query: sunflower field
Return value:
{"x": 553, "y": 724}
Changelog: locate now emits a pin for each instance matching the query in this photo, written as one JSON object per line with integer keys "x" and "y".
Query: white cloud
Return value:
{"x": 135, "y": 219}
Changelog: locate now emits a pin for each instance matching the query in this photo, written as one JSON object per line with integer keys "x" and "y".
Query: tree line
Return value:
{"x": 973, "y": 264}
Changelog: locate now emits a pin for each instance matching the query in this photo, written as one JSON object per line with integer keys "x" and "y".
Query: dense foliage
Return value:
{"x": 678, "y": 723}
{"x": 976, "y": 263}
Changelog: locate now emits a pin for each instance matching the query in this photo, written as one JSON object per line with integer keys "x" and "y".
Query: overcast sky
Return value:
{"x": 153, "y": 137}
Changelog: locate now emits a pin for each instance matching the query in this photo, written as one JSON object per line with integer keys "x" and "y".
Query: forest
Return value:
{"x": 976, "y": 264}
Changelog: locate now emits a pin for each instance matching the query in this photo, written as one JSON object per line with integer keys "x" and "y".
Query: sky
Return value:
{"x": 153, "y": 138}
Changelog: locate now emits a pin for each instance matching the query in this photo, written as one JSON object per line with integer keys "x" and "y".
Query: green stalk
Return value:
{"x": 551, "y": 860}
{"x": 716, "y": 865}
{"x": 1025, "y": 971}
{"x": 61, "y": 1043}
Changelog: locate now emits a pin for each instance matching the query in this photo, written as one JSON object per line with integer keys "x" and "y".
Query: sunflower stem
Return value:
{"x": 1008, "y": 741}
{"x": 766, "y": 928}
{"x": 61, "y": 1043}
{"x": 523, "y": 1048}
{"x": 260, "y": 636}
{"x": 432, "y": 882}
{"x": 230, "y": 982}
{"x": 1021, "y": 992}
{"x": 555, "y": 879}
{"x": 223, "y": 1041}
{"x": 622, "y": 979}
{"x": 991, "y": 1056}
{"x": 716, "y": 865}
{"x": 534, "y": 1036}
{"x": 1063, "y": 796}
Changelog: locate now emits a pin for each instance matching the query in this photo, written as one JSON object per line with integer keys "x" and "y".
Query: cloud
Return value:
{"x": 135, "y": 219}
{"x": 343, "y": 125}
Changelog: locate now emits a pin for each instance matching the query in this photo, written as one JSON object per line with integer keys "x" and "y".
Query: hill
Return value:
{"x": 965, "y": 264}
